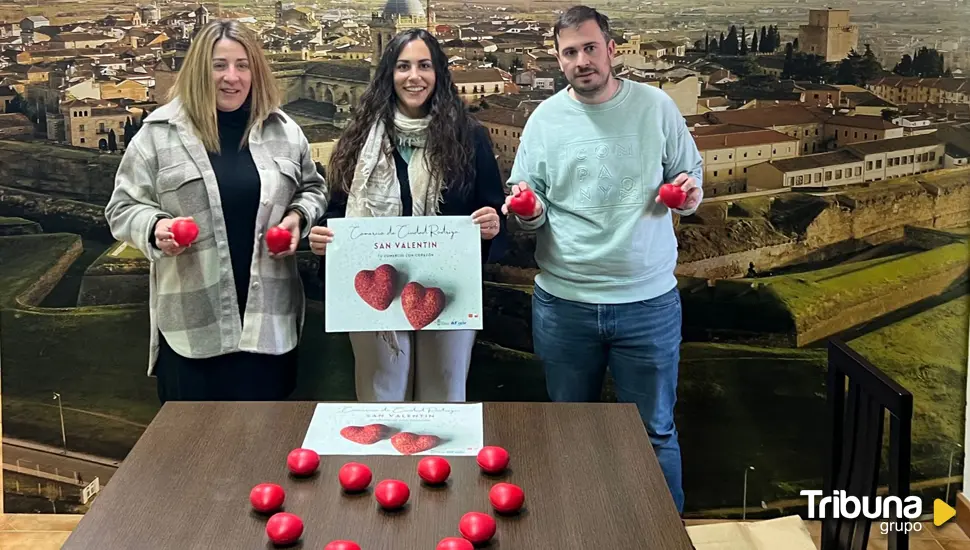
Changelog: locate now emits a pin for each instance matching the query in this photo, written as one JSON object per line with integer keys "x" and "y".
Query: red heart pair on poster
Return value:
{"x": 406, "y": 443}
{"x": 421, "y": 304}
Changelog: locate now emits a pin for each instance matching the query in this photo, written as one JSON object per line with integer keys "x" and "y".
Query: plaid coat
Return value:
{"x": 165, "y": 172}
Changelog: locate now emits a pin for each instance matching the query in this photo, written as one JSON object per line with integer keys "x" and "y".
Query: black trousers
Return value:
{"x": 238, "y": 376}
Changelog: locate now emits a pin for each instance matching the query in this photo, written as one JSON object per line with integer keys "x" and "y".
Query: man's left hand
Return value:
{"x": 689, "y": 185}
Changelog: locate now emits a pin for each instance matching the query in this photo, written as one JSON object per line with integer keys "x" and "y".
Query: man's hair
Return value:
{"x": 576, "y": 16}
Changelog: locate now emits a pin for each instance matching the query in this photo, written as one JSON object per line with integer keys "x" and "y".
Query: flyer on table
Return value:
{"x": 403, "y": 274}
{"x": 452, "y": 429}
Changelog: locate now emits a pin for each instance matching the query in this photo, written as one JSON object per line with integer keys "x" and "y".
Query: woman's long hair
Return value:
{"x": 450, "y": 145}
{"x": 196, "y": 89}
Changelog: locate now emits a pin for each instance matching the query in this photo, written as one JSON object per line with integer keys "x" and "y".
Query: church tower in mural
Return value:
{"x": 397, "y": 16}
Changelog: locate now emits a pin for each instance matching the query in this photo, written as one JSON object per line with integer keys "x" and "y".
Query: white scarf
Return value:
{"x": 375, "y": 190}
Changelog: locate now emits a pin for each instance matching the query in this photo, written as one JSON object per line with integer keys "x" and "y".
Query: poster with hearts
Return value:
{"x": 399, "y": 429}
{"x": 403, "y": 274}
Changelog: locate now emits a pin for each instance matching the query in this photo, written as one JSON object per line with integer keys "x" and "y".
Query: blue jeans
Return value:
{"x": 639, "y": 341}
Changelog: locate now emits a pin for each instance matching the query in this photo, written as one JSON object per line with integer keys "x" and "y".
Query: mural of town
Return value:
{"x": 837, "y": 204}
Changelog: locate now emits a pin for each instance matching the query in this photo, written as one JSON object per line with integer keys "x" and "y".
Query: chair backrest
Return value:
{"x": 855, "y": 450}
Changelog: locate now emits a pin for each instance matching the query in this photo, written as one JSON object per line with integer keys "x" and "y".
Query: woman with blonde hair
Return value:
{"x": 226, "y": 313}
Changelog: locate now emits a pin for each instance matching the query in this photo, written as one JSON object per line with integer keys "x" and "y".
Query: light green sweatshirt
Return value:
{"x": 597, "y": 170}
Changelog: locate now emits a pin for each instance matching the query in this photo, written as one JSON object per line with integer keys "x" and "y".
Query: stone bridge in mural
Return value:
{"x": 340, "y": 84}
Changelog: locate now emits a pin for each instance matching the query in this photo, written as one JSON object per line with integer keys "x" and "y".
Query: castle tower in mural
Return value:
{"x": 828, "y": 34}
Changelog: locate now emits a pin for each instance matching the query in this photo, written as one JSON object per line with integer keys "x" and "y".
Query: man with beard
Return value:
{"x": 595, "y": 154}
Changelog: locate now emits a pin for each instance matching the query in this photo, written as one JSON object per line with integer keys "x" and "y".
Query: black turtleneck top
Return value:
{"x": 239, "y": 190}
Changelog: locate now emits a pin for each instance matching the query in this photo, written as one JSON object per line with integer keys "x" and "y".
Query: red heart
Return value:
{"x": 477, "y": 527}
{"x": 184, "y": 232}
{"x": 365, "y": 435}
{"x": 524, "y": 203}
{"x": 278, "y": 240}
{"x": 284, "y": 528}
{"x": 506, "y": 498}
{"x": 376, "y": 287}
{"x": 408, "y": 443}
{"x": 267, "y": 497}
{"x": 672, "y": 195}
{"x": 422, "y": 305}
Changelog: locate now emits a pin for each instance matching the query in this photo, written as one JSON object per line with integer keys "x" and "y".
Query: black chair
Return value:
{"x": 856, "y": 443}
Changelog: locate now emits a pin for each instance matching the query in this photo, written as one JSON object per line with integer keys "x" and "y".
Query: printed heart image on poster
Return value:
{"x": 403, "y": 274}
{"x": 396, "y": 429}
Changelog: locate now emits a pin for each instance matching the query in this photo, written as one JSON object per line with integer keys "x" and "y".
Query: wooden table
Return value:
{"x": 590, "y": 476}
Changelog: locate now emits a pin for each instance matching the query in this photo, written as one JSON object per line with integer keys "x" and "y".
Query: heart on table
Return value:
{"x": 376, "y": 287}
{"x": 408, "y": 443}
{"x": 365, "y": 435}
{"x": 421, "y": 304}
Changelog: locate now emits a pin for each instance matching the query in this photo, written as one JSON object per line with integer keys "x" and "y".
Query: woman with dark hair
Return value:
{"x": 413, "y": 149}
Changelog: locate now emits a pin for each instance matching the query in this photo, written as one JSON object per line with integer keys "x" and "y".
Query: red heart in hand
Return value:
{"x": 422, "y": 305}
{"x": 524, "y": 203}
{"x": 672, "y": 195}
{"x": 408, "y": 443}
{"x": 365, "y": 435}
{"x": 184, "y": 232}
{"x": 278, "y": 240}
{"x": 376, "y": 287}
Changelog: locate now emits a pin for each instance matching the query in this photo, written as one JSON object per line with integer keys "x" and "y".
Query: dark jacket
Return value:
{"x": 487, "y": 190}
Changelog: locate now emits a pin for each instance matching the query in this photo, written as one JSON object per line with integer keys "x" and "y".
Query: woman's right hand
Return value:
{"x": 320, "y": 237}
{"x": 165, "y": 239}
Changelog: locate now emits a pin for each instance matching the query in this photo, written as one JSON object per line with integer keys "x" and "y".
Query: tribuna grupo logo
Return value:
{"x": 897, "y": 514}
